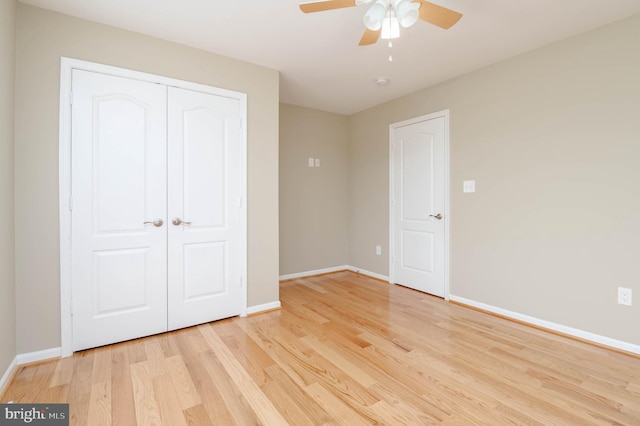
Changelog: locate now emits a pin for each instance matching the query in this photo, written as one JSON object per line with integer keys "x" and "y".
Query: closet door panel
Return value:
{"x": 119, "y": 277}
{"x": 204, "y": 195}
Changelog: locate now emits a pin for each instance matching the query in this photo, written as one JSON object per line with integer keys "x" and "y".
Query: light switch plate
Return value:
{"x": 469, "y": 186}
{"x": 311, "y": 162}
{"x": 317, "y": 162}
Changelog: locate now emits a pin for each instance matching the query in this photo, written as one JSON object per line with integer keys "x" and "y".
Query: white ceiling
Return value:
{"x": 318, "y": 56}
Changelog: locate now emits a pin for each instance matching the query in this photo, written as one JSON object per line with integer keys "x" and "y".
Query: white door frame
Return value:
{"x": 444, "y": 114}
{"x": 65, "y": 200}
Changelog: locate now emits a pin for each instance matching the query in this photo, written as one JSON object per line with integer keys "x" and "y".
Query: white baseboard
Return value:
{"x": 27, "y": 358}
{"x": 264, "y": 307}
{"x": 8, "y": 375}
{"x": 38, "y": 356}
{"x": 368, "y": 273}
{"x": 314, "y": 272}
{"x": 334, "y": 269}
{"x": 581, "y": 334}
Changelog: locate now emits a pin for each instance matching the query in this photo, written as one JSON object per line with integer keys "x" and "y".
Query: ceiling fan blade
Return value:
{"x": 438, "y": 15}
{"x": 319, "y": 6}
{"x": 369, "y": 37}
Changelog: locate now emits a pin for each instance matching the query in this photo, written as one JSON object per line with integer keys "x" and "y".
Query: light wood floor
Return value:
{"x": 348, "y": 350}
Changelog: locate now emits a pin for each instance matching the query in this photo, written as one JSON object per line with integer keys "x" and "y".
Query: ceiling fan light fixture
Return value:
{"x": 407, "y": 12}
{"x": 390, "y": 26}
{"x": 375, "y": 15}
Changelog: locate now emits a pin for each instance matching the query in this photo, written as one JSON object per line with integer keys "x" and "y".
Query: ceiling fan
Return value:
{"x": 384, "y": 17}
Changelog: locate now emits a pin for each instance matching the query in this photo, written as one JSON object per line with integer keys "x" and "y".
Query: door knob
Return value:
{"x": 437, "y": 216}
{"x": 157, "y": 223}
{"x": 177, "y": 221}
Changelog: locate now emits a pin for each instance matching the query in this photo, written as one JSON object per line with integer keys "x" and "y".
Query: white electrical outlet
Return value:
{"x": 379, "y": 250}
{"x": 625, "y": 296}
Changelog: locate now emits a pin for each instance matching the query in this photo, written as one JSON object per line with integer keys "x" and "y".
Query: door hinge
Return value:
{"x": 70, "y": 203}
{"x": 240, "y": 202}
{"x": 71, "y": 307}
{"x": 70, "y": 98}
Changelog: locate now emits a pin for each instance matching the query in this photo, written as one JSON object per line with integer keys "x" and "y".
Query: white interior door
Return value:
{"x": 157, "y": 215}
{"x": 204, "y": 207}
{"x": 118, "y": 273}
{"x": 418, "y": 204}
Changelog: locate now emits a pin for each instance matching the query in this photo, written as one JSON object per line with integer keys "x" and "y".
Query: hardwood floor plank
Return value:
{"x": 192, "y": 348}
{"x": 293, "y": 354}
{"x": 254, "y": 360}
{"x": 80, "y": 388}
{"x": 396, "y": 415}
{"x": 56, "y": 394}
{"x": 155, "y": 357}
{"x": 442, "y": 386}
{"x": 346, "y": 366}
{"x": 344, "y": 349}
{"x": 147, "y": 411}
{"x": 42, "y": 379}
{"x": 261, "y": 405}
{"x": 198, "y": 416}
{"x": 101, "y": 372}
{"x": 235, "y": 403}
{"x": 136, "y": 350}
{"x": 168, "y": 401}
{"x": 285, "y": 404}
{"x": 169, "y": 345}
{"x": 633, "y": 388}
{"x": 63, "y": 372}
{"x": 421, "y": 407}
{"x": 392, "y": 382}
{"x": 122, "y": 402}
{"x": 303, "y": 311}
{"x": 309, "y": 283}
{"x": 283, "y": 390}
{"x": 187, "y": 394}
{"x": 100, "y": 404}
{"x": 342, "y": 413}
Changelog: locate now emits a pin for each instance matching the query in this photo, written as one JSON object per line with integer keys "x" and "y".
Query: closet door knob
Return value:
{"x": 157, "y": 223}
{"x": 177, "y": 221}
{"x": 437, "y": 216}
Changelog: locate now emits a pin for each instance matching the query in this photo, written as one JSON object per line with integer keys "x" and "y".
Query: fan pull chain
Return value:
{"x": 390, "y": 44}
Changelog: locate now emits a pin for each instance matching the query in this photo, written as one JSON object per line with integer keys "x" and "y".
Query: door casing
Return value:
{"x": 440, "y": 114}
{"x": 65, "y": 198}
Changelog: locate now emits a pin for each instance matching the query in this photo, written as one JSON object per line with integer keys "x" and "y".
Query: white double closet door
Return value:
{"x": 156, "y": 191}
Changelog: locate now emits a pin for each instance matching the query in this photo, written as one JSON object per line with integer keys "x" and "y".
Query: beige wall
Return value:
{"x": 313, "y": 201}
{"x": 552, "y": 139}
{"x": 42, "y": 38}
{"x": 7, "y": 279}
